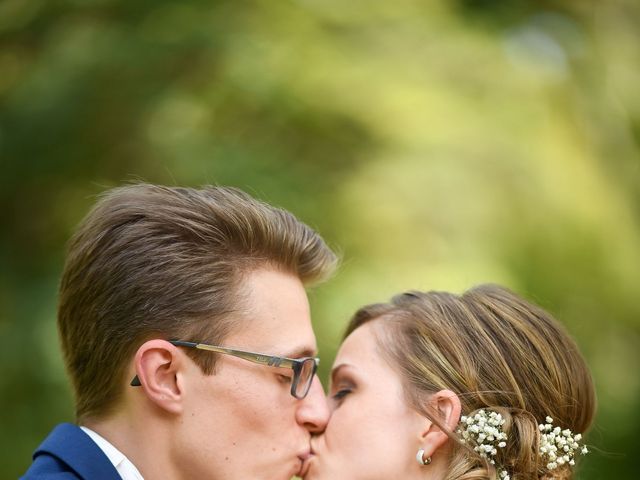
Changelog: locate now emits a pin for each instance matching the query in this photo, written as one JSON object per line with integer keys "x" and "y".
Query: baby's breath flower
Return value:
{"x": 504, "y": 475}
{"x": 559, "y": 446}
{"x": 483, "y": 431}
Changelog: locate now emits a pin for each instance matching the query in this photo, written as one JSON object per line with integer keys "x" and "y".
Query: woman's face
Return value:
{"x": 372, "y": 433}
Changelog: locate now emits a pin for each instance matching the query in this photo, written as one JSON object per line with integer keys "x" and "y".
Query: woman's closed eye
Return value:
{"x": 341, "y": 394}
{"x": 341, "y": 389}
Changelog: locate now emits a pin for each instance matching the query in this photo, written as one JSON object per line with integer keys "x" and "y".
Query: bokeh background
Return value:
{"x": 436, "y": 144}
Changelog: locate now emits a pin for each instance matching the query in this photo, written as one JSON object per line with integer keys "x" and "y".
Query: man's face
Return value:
{"x": 242, "y": 422}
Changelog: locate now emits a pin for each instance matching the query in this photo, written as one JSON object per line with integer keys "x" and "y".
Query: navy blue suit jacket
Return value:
{"x": 69, "y": 454}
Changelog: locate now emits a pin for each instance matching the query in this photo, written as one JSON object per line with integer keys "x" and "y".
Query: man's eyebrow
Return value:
{"x": 301, "y": 352}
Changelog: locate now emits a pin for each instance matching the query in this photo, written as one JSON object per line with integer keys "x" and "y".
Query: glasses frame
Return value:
{"x": 295, "y": 364}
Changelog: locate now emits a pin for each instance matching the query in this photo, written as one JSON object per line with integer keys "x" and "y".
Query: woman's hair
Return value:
{"x": 495, "y": 351}
{"x": 152, "y": 261}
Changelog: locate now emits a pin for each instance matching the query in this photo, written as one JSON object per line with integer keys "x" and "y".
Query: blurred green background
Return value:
{"x": 436, "y": 144}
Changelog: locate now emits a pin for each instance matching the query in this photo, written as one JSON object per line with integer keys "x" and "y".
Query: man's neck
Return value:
{"x": 139, "y": 441}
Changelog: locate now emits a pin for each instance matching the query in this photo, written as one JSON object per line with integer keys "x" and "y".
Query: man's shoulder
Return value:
{"x": 68, "y": 453}
{"x": 47, "y": 467}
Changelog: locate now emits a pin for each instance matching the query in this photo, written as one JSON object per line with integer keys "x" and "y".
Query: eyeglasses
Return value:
{"x": 303, "y": 368}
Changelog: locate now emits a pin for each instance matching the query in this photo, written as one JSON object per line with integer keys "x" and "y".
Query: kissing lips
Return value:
{"x": 304, "y": 465}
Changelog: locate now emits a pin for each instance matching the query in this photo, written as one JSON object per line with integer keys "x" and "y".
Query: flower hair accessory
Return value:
{"x": 559, "y": 446}
{"x": 483, "y": 431}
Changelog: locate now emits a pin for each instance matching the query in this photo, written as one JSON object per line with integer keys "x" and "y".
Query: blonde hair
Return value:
{"x": 158, "y": 262}
{"x": 494, "y": 350}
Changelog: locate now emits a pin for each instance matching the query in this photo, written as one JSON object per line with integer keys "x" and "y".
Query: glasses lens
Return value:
{"x": 306, "y": 377}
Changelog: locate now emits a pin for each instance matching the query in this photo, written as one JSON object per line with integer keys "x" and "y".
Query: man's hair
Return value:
{"x": 494, "y": 350}
{"x": 159, "y": 262}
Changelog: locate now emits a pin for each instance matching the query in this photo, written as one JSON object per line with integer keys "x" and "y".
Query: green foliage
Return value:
{"x": 436, "y": 144}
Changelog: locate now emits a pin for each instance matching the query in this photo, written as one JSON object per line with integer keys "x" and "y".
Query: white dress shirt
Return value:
{"x": 123, "y": 465}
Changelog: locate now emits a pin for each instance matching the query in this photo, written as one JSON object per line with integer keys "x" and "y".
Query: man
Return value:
{"x": 186, "y": 332}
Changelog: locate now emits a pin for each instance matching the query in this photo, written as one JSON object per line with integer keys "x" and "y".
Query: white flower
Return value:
{"x": 558, "y": 446}
{"x": 482, "y": 431}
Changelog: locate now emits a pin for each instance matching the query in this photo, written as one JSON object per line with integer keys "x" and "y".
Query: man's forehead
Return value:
{"x": 276, "y": 313}
{"x": 256, "y": 336}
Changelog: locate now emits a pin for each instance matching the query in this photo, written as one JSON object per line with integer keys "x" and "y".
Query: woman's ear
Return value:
{"x": 446, "y": 405}
{"x": 158, "y": 364}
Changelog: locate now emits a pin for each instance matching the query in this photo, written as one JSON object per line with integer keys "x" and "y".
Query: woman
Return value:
{"x": 439, "y": 386}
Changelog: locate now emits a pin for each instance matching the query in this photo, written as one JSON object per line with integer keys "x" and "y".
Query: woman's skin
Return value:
{"x": 373, "y": 434}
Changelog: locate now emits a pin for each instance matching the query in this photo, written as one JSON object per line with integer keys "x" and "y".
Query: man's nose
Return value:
{"x": 313, "y": 412}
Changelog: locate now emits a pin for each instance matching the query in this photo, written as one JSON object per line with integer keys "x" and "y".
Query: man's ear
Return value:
{"x": 446, "y": 406}
{"x": 158, "y": 366}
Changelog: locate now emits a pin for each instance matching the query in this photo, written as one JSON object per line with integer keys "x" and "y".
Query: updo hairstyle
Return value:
{"x": 495, "y": 351}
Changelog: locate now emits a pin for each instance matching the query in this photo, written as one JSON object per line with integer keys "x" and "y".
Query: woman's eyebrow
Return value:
{"x": 335, "y": 370}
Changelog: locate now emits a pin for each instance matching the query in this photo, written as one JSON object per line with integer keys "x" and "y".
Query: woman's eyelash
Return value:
{"x": 340, "y": 394}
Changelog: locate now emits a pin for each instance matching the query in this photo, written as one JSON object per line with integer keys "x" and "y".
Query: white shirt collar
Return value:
{"x": 123, "y": 465}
